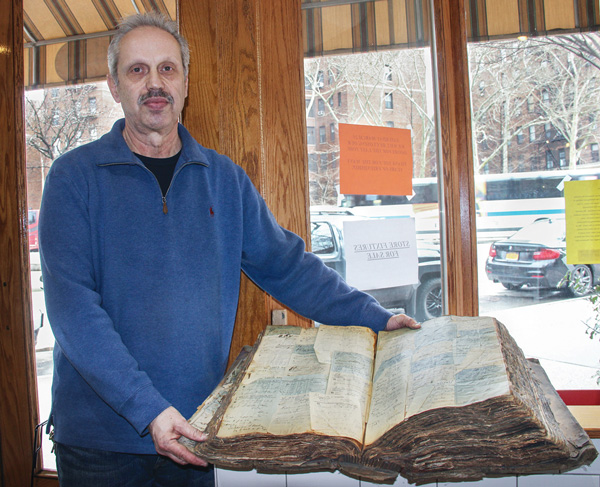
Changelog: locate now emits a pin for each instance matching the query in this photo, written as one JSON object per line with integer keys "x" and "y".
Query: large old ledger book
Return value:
{"x": 455, "y": 400}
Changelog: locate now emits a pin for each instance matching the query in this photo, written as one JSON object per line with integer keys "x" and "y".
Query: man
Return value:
{"x": 143, "y": 234}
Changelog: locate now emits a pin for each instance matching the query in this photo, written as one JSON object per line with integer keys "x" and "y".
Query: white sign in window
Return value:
{"x": 381, "y": 253}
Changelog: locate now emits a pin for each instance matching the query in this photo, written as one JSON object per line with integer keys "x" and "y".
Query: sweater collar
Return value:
{"x": 191, "y": 151}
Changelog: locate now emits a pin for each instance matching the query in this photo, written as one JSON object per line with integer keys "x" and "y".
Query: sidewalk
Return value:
{"x": 555, "y": 334}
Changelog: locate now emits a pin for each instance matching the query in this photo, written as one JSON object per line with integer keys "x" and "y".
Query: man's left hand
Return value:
{"x": 166, "y": 429}
{"x": 402, "y": 321}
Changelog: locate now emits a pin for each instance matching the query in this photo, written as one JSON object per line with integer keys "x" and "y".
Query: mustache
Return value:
{"x": 155, "y": 93}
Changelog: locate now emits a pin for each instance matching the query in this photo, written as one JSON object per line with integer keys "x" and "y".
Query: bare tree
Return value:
{"x": 569, "y": 101}
{"x": 503, "y": 81}
{"x": 586, "y": 45}
{"x": 58, "y": 120}
{"x": 518, "y": 87}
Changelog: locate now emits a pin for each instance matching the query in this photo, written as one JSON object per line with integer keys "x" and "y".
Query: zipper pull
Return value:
{"x": 165, "y": 209}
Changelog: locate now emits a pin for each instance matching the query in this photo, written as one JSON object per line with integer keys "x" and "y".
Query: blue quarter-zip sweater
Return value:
{"x": 141, "y": 291}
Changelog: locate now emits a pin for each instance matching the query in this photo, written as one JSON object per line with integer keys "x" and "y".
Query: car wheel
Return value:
{"x": 580, "y": 280}
{"x": 512, "y": 287}
{"x": 429, "y": 299}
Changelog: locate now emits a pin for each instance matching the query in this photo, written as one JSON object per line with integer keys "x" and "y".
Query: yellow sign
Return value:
{"x": 582, "y": 212}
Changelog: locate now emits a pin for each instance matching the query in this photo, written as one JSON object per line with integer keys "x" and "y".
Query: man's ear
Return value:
{"x": 112, "y": 86}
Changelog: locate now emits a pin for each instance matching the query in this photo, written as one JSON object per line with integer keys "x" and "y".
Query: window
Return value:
{"x": 322, "y": 134}
{"x": 321, "y": 110}
{"x": 322, "y": 238}
{"x": 320, "y": 79}
{"x": 530, "y": 106}
{"x": 389, "y": 101}
{"x": 522, "y": 161}
{"x": 595, "y": 154}
{"x": 520, "y": 136}
{"x": 388, "y": 72}
{"x": 545, "y": 96}
{"x": 562, "y": 158}
{"x": 310, "y": 135}
{"x": 520, "y": 183}
{"x": 310, "y": 107}
{"x": 363, "y": 83}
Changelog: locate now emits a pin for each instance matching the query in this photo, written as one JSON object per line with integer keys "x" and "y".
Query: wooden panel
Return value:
{"x": 48, "y": 480}
{"x": 457, "y": 158}
{"x": 284, "y": 152}
{"x": 246, "y": 101}
{"x": 17, "y": 379}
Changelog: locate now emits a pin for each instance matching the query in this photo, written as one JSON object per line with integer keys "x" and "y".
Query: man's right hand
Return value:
{"x": 166, "y": 429}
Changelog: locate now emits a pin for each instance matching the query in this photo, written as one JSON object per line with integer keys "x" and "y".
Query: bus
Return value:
{"x": 511, "y": 201}
{"x": 504, "y": 202}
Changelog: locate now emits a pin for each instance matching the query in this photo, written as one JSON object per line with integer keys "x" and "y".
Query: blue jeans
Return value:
{"x": 84, "y": 467}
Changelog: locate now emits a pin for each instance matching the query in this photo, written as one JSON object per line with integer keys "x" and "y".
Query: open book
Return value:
{"x": 453, "y": 401}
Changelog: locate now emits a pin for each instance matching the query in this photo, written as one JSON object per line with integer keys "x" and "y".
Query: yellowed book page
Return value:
{"x": 289, "y": 369}
{"x": 350, "y": 377}
{"x": 451, "y": 361}
{"x": 276, "y": 349}
{"x": 390, "y": 379}
{"x": 336, "y": 416}
{"x": 355, "y": 339}
{"x": 350, "y": 351}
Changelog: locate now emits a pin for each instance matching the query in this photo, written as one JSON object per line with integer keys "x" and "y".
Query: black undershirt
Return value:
{"x": 162, "y": 168}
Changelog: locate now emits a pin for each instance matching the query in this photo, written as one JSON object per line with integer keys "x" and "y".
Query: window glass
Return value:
{"x": 391, "y": 90}
{"x": 56, "y": 120}
{"x": 524, "y": 279}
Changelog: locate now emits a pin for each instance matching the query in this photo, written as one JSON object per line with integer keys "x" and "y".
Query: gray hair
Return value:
{"x": 149, "y": 19}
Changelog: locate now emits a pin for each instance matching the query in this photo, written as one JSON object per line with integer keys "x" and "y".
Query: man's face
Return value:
{"x": 152, "y": 86}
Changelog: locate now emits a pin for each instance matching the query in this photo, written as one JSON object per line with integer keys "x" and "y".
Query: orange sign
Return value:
{"x": 375, "y": 160}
